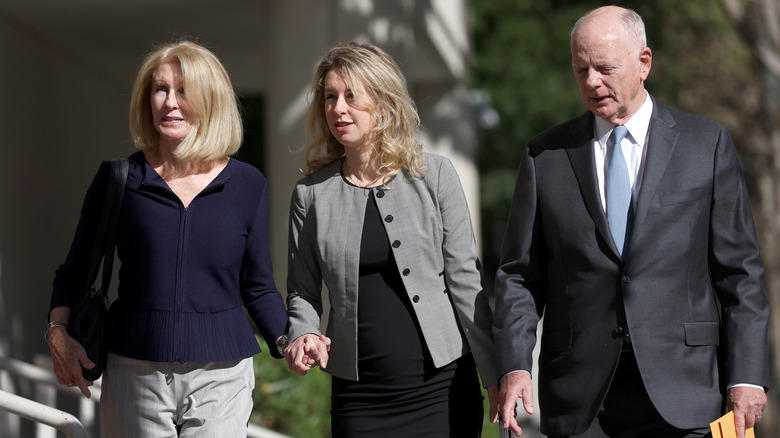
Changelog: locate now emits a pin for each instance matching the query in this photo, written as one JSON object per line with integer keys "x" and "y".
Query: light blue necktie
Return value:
{"x": 618, "y": 187}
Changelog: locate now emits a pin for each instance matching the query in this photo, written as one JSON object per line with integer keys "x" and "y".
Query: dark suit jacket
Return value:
{"x": 693, "y": 248}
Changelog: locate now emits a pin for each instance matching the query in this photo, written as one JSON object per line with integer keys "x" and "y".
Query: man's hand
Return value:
{"x": 747, "y": 403}
{"x": 515, "y": 386}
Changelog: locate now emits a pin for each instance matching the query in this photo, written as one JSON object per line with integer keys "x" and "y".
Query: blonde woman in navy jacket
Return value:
{"x": 387, "y": 229}
{"x": 192, "y": 238}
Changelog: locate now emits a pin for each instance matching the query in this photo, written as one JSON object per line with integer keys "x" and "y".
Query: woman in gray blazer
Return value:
{"x": 387, "y": 229}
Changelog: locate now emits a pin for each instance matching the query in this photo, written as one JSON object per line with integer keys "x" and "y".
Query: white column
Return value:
{"x": 296, "y": 34}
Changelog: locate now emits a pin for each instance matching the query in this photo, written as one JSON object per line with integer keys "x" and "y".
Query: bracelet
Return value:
{"x": 281, "y": 344}
{"x": 51, "y": 326}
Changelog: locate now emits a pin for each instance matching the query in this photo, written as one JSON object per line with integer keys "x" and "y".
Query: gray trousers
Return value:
{"x": 174, "y": 399}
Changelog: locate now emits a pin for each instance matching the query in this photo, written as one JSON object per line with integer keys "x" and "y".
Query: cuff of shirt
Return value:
{"x": 747, "y": 385}
{"x": 515, "y": 371}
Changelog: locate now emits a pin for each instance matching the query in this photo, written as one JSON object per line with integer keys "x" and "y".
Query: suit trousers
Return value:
{"x": 628, "y": 412}
{"x": 169, "y": 399}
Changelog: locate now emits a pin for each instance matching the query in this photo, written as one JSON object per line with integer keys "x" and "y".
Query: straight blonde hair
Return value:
{"x": 216, "y": 131}
{"x": 396, "y": 123}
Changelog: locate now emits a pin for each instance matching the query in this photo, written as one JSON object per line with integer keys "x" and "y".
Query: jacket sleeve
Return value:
{"x": 259, "y": 294}
{"x": 737, "y": 272}
{"x": 463, "y": 273}
{"x": 304, "y": 277}
{"x": 520, "y": 279}
{"x": 70, "y": 279}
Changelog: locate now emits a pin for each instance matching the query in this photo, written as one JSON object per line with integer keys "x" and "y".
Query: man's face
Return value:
{"x": 610, "y": 69}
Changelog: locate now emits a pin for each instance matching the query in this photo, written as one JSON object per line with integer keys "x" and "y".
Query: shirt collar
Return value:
{"x": 637, "y": 125}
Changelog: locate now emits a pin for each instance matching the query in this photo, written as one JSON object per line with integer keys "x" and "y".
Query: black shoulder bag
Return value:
{"x": 87, "y": 323}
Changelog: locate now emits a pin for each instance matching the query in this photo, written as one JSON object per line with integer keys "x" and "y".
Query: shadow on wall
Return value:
{"x": 59, "y": 117}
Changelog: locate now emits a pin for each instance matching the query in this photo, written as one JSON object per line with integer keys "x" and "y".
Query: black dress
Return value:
{"x": 399, "y": 392}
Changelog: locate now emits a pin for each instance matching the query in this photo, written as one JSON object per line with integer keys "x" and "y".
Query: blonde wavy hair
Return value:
{"x": 396, "y": 123}
{"x": 216, "y": 130}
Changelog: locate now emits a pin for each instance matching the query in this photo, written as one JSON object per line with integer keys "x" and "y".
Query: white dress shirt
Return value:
{"x": 633, "y": 149}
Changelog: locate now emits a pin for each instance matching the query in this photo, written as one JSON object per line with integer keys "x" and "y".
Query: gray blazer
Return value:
{"x": 428, "y": 224}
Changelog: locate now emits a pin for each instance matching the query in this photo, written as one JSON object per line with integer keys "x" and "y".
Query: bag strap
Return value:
{"x": 103, "y": 247}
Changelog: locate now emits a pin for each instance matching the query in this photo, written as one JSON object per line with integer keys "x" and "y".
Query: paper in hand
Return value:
{"x": 724, "y": 427}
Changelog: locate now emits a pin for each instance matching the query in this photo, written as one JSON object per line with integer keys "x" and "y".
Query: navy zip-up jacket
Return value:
{"x": 186, "y": 273}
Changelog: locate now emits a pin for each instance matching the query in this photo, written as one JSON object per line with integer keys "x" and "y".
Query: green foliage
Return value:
{"x": 695, "y": 53}
{"x": 522, "y": 59}
{"x": 288, "y": 403}
{"x": 488, "y": 429}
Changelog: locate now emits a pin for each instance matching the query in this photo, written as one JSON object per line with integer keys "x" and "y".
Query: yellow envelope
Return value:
{"x": 724, "y": 427}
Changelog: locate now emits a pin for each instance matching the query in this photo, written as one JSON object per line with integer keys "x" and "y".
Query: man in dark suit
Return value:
{"x": 642, "y": 258}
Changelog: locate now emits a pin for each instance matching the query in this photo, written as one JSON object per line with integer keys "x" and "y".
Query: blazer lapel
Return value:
{"x": 661, "y": 142}
{"x": 581, "y": 157}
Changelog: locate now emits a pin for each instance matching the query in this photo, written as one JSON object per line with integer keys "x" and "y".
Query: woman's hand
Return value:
{"x": 68, "y": 357}
{"x": 493, "y": 398}
{"x": 67, "y": 354}
{"x": 307, "y": 351}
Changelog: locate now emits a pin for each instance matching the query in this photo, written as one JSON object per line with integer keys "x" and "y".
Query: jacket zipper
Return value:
{"x": 179, "y": 295}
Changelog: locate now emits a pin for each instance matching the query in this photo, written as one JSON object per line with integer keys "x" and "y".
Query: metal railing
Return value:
{"x": 47, "y": 417}
{"x": 40, "y": 413}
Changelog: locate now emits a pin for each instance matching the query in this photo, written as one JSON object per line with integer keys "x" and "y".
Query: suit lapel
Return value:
{"x": 584, "y": 166}
{"x": 661, "y": 142}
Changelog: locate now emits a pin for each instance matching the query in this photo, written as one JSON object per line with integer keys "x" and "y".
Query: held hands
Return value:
{"x": 68, "y": 357}
{"x": 515, "y": 386}
{"x": 747, "y": 404}
{"x": 307, "y": 351}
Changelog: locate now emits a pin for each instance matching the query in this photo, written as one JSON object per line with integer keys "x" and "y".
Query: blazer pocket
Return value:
{"x": 556, "y": 341}
{"x": 702, "y": 333}
{"x": 680, "y": 197}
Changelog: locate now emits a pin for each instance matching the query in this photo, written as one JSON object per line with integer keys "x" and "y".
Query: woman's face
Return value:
{"x": 350, "y": 124}
{"x": 169, "y": 105}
